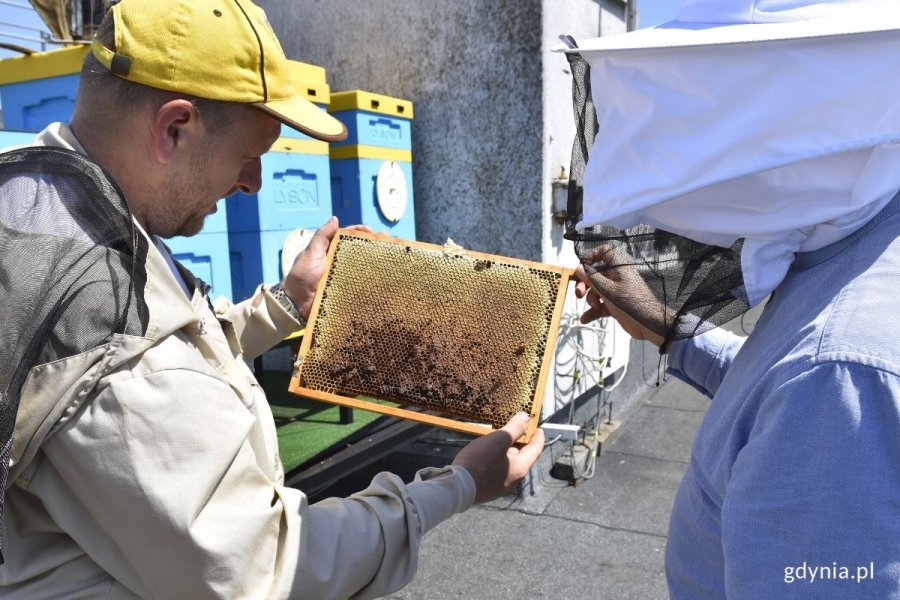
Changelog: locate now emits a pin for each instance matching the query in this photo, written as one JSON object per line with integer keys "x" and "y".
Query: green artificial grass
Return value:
{"x": 306, "y": 427}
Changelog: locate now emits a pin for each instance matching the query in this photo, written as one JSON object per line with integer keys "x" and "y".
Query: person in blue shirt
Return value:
{"x": 749, "y": 152}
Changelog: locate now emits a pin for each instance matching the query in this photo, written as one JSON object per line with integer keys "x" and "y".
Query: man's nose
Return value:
{"x": 250, "y": 178}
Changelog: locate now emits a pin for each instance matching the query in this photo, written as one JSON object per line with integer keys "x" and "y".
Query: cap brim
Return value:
{"x": 677, "y": 34}
{"x": 304, "y": 116}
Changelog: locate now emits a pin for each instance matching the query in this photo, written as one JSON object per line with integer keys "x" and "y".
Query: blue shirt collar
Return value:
{"x": 808, "y": 259}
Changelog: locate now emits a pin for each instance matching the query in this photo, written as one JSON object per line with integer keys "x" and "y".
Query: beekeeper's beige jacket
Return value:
{"x": 159, "y": 476}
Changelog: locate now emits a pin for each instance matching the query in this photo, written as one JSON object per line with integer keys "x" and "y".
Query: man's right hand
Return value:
{"x": 496, "y": 465}
{"x": 623, "y": 278}
{"x": 600, "y": 307}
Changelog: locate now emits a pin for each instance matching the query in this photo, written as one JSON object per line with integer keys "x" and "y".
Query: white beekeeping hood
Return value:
{"x": 776, "y": 122}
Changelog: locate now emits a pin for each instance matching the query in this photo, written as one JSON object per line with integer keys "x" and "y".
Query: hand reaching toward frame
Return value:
{"x": 496, "y": 465}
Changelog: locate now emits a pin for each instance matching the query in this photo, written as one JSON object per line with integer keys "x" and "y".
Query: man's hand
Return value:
{"x": 601, "y": 307}
{"x": 301, "y": 282}
{"x": 495, "y": 464}
{"x": 622, "y": 277}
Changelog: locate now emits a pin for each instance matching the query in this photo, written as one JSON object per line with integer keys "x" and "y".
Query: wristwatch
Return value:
{"x": 285, "y": 301}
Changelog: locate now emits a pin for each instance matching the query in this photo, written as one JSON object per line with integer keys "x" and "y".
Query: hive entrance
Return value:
{"x": 401, "y": 324}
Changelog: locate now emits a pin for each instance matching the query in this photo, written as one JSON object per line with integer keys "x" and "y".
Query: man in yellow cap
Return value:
{"x": 143, "y": 461}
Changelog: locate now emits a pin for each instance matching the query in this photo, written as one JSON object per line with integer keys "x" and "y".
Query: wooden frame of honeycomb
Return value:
{"x": 399, "y": 324}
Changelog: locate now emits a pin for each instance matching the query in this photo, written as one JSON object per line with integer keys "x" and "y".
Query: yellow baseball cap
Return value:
{"x": 214, "y": 49}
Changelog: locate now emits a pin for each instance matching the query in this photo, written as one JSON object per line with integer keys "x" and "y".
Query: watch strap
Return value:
{"x": 285, "y": 301}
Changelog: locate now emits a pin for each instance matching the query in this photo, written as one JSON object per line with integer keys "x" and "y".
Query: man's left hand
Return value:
{"x": 301, "y": 282}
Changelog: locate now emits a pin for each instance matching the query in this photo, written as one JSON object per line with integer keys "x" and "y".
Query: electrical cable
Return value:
{"x": 619, "y": 380}
{"x": 570, "y": 335}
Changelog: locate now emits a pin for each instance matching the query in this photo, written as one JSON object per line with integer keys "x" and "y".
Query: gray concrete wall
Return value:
{"x": 473, "y": 70}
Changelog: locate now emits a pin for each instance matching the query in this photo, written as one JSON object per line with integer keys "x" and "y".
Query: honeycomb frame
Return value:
{"x": 431, "y": 346}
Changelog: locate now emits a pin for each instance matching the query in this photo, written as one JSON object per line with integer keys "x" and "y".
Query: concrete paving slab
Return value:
{"x": 664, "y": 433}
{"x": 674, "y": 393}
{"x": 627, "y": 492}
{"x": 499, "y": 555}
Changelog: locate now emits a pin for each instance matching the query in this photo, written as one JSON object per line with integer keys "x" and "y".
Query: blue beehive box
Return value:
{"x": 38, "y": 89}
{"x": 371, "y": 171}
{"x": 15, "y": 139}
{"x": 295, "y": 192}
{"x": 207, "y": 254}
{"x": 255, "y": 259}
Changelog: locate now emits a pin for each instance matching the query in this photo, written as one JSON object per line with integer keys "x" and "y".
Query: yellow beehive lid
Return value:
{"x": 302, "y": 71}
{"x": 368, "y": 101}
{"x": 310, "y": 81}
{"x": 41, "y": 65}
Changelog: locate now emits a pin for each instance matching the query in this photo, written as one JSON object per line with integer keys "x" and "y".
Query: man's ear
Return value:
{"x": 175, "y": 126}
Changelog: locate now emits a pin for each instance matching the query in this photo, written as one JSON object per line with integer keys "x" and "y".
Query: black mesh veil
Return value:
{"x": 72, "y": 269}
{"x": 673, "y": 285}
